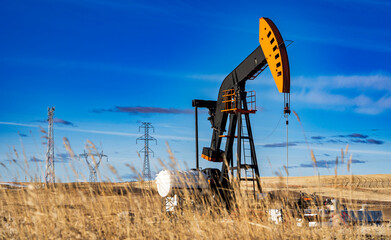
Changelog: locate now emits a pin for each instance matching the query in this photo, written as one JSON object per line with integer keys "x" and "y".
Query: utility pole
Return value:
{"x": 146, "y": 150}
{"x": 93, "y": 166}
{"x": 50, "y": 176}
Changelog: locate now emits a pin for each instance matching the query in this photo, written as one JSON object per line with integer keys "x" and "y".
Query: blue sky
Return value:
{"x": 108, "y": 65}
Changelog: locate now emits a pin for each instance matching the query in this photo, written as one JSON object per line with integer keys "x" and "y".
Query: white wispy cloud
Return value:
{"x": 208, "y": 77}
{"x": 365, "y": 94}
{"x": 328, "y": 92}
{"x": 52, "y": 63}
{"x": 352, "y": 151}
{"x": 112, "y": 133}
{"x": 87, "y": 65}
{"x": 374, "y": 82}
{"x": 19, "y": 124}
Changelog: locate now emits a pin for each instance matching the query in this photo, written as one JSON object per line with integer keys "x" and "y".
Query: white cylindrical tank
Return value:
{"x": 167, "y": 180}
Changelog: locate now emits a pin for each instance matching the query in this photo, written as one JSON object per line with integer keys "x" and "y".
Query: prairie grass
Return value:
{"x": 107, "y": 210}
{"x": 127, "y": 211}
{"x": 84, "y": 211}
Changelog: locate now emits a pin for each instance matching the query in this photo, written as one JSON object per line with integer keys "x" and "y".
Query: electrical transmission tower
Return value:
{"x": 146, "y": 150}
{"x": 49, "y": 176}
{"x": 93, "y": 166}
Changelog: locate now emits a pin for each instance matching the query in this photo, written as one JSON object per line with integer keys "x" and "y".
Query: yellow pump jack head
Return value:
{"x": 274, "y": 49}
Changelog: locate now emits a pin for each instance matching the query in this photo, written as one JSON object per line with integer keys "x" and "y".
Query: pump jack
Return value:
{"x": 234, "y": 103}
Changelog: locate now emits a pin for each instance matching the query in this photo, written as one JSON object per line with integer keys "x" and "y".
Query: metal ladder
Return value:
{"x": 240, "y": 129}
{"x": 250, "y": 179}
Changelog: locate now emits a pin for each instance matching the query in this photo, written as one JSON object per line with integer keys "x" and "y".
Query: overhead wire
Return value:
{"x": 275, "y": 128}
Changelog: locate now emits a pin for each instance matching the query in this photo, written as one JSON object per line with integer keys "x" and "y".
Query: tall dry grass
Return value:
{"x": 129, "y": 211}
{"x": 123, "y": 211}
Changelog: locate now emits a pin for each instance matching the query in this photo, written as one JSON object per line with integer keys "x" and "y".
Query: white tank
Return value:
{"x": 167, "y": 180}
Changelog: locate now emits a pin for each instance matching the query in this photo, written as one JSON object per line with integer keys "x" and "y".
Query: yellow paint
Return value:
{"x": 229, "y": 100}
{"x": 210, "y": 159}
{"x": 271, "y": 43}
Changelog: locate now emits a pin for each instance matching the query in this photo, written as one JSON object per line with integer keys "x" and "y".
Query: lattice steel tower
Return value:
{"x": 93, "y": 165}
{"x": 146, "y": 150}
{"x": 49, "y": 176}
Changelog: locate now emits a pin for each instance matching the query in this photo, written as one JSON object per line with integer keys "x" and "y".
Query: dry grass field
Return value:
{"x": 355, "y": 190}
{"x": 127, "y": 211}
